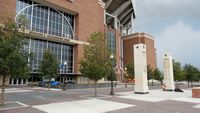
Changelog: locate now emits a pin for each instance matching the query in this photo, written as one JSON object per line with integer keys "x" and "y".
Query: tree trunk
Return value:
{"x": 176, "y": 86}
{"x": 188, "y": 83}
{"x": 32, "y": 81}
{"x": 126, "y": 83}
{"x": 3, "y": 90}
{"x": 95, "y": 89}
{"x": 49, "y": 85}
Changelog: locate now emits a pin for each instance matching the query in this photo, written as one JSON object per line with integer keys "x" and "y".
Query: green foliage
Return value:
{"x": 157, "y": 75}
{"x": 96, "y": 63}
{"x": 49, "y": 66}
{"x": 191, "y": 73}
{"x": 114, "y": 77}
{"x": 178, "y": 71}
{"x": 149, "y": 72}
{"x": 129, "y": 68}
{"x": 13, "y": 63}
{"x": 22, "y": 21}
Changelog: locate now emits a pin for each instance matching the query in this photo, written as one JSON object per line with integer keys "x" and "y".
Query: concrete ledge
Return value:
{"x": 196, "y": 92}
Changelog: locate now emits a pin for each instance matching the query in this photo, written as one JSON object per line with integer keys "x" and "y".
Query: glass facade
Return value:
{"x": 61, "y": 51}
{"x": 46, "y": 20}
{"x": 111, "y": 39}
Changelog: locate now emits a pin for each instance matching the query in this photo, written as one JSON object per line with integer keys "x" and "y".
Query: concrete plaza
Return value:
{"x": 39, "y": 100}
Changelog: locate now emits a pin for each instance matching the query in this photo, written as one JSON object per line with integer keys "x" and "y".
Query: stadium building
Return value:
{"x": 63, "y": 27}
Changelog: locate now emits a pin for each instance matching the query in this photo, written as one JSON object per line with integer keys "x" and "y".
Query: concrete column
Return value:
{"x": 168, "y": 72}
{"x": 26, "y": 81}
{"x": 17, "y": 81}
{"x": 22, "y": 81}
{"x": 140, "y": 64}
{"x": 115, "y": 22}
{"x": 12, "y": 81}
{"x": 132, "y": 24}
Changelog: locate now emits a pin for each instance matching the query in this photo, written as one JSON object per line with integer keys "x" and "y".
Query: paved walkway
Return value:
{"x": 38, "y": 100}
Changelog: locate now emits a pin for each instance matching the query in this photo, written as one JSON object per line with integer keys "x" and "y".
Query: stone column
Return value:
{"x": 17, "y": 81}
{"x": 26, "y": 81}
{"x": 12, "y": 81}
{"x": 140, "y": 65}
{"x": 22, "y": 81}
{"x": 168, "y": 72}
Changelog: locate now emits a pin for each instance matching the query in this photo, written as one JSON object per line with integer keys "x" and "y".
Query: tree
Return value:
{"x": 191, "y": 73}
{"x": 96, "y": 63}
{"x": 129, "y": 68}
{"x": 157, "y": 75}
{"x": 49, "y": 66}
{"x": 149, "y": 73}
{"x": 13, "y": 63}
{"x": 178, "y": 71}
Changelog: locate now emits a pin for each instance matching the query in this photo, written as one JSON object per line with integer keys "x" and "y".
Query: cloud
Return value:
{"x": 157, "y": 14}
{"x": 182, "y": 41}
{"x": 175, "y": 26}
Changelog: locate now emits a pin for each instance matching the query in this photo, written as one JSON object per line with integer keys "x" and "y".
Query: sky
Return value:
{"x": 175, "y": 26}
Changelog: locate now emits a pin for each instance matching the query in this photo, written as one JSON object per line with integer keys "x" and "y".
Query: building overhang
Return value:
{"x": 58, "y": 39}
{"x": 122, "y": 9}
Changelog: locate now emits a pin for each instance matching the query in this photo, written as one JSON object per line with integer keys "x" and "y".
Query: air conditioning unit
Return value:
{"x": 44, "y": 34}
{"x": 66, "y": 36}
{"x": 70, "y": 36}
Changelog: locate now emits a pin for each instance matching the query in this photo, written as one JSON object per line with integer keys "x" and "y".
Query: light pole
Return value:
{"x": 111, "y": 75}
{"x": 126, "y": 78}
{"x": 65, "y": 67}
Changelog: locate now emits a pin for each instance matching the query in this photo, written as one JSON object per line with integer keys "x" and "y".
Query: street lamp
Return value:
{"x": 126, "y": 78}
{"x": 65, "y": 67}
{"x": 111, "y": 76}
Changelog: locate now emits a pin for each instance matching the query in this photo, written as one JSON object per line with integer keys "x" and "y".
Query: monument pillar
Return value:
{"x": 168, "y": 72}
{"x": 140, "y": 65}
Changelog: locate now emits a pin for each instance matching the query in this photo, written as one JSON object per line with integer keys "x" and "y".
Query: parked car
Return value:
{"x": 54, "y": 83}
{"x": 42, "y": 83}
{"x": 45, "y": 83}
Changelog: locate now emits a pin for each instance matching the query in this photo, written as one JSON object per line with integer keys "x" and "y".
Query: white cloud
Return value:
{"x": 182, "y": 41}
{"x": 175, "y": 26}
{"x": 157, "y": 14}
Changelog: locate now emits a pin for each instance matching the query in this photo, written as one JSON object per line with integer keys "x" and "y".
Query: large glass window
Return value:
{"x": 61, "y": 51}
{"x": 45, "y": 19}
{"x": 111, "y": 39}
{"x": 40, "y": 19}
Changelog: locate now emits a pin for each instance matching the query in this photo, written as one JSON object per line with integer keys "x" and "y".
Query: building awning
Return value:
{"x": 123, "y": 9}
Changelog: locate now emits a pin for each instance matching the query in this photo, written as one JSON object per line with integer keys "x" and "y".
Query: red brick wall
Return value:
{"x": 196, "y": 92}
{"x": 7, "y": 9}
{"x": 129, "y": 41}
{"x": 89, "y": 18}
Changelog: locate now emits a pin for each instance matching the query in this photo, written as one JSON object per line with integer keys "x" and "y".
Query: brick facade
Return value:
{"x": 89, "y": 18}
{"x": 7, "y": 9}
{"x": 137, "y": 38}
{"x": 196, "y": 92}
